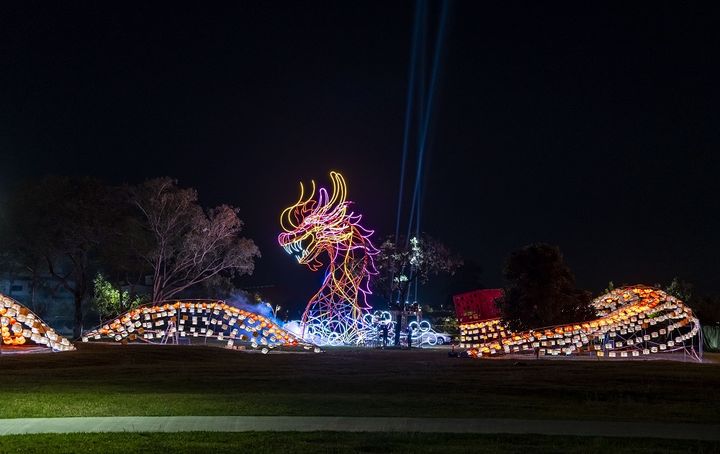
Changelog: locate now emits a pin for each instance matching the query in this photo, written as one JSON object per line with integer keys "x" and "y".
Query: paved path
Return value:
{"x": 357, "y": 424}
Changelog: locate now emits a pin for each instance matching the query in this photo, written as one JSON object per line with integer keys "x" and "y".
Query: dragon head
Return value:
{"x": 314, "y": 225}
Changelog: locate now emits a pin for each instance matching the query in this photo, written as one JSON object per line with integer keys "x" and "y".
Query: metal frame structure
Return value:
{"x": 336, "y": 314}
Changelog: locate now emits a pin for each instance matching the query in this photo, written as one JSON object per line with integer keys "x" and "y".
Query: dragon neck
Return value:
{"x": 345, "y": 275}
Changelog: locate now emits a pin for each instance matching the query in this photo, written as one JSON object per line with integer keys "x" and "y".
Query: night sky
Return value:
{"x": 591, "y": 126}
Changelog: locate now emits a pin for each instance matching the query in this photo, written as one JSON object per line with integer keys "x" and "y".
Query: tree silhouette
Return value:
{"x": 541, "y": 290}
{"x": 60, "y": 225}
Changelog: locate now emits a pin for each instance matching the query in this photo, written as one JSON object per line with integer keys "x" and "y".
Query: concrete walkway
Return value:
{"x": 358, "y": 424}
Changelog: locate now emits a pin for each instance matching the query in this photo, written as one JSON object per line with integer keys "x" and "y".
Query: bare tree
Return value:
{"x": 191, "y": 245}
{"x": 541, "y": 290}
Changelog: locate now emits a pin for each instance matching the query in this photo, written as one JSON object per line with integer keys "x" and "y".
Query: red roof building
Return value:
{"x": 477, "y": 305}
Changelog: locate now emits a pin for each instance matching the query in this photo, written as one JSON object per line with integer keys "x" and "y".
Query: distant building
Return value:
{"x": 43, "y": 295}
{"x": 477, "y": 306}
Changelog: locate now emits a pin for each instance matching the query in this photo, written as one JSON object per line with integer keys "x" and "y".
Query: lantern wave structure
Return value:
{"x": 211, "y": 322}
{"x": 20, "y": 327}
{"x": 635, "y": 321}
{"x": 319, "y": 224}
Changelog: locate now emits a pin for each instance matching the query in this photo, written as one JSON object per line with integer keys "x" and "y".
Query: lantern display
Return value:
{"x": 631, "y": 321}
{"x": 19, "y": 326}
{"x": 194, "y": 321}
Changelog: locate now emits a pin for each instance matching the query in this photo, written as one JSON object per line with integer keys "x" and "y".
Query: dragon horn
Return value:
{"x": 286, "y": 218}
{"x": 339, "y": 189}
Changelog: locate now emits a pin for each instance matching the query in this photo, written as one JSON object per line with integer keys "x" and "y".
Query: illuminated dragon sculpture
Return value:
{"x": 632, "y": 322}
{"x": 321, "y": 223}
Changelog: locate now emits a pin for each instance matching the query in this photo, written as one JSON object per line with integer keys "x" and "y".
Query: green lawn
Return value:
{"x": 321, "y": 442}
{"x": 101, "y": 380}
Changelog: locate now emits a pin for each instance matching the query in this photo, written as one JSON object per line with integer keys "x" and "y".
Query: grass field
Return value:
{"x": 333, "y": 442}
{"x": 107, "y": 380}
